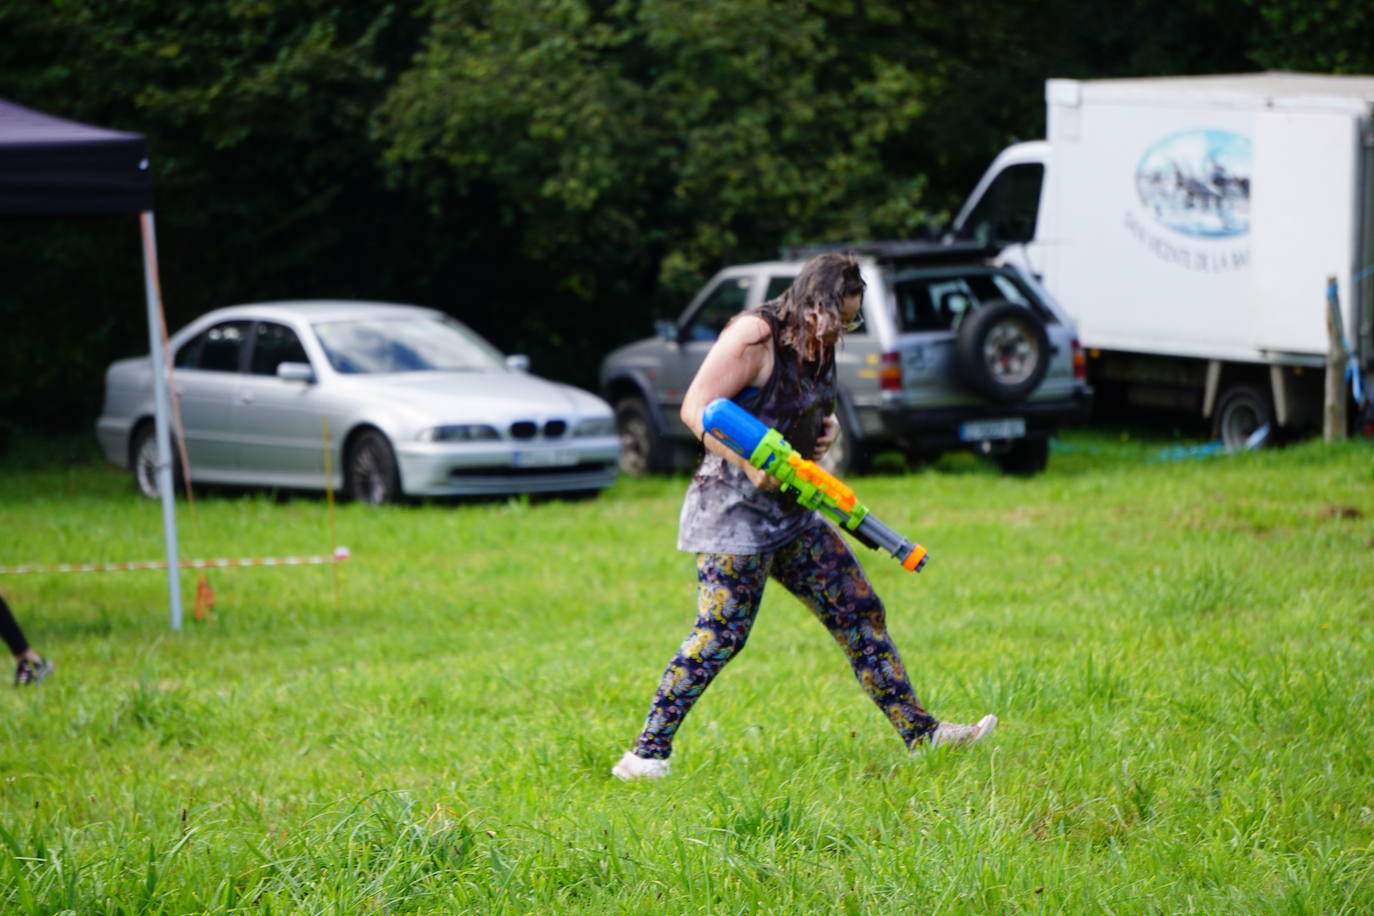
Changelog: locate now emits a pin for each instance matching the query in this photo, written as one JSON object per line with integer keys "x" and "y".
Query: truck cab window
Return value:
{"x": 777, "y": 286}
{"x": 1007, "y": 211}
{"x": 723, "y": 303}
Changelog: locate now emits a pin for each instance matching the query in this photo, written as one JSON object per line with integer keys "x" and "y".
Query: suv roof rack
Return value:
{"x": 898, "y": 251}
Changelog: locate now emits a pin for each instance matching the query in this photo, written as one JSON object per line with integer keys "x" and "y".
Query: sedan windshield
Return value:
{"x": 381, "y": 345}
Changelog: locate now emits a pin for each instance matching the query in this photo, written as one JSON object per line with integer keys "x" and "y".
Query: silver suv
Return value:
{"x": 955, "y": 352}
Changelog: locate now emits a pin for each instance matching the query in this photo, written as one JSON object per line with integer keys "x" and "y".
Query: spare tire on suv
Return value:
{"x": 1002, "y": 351}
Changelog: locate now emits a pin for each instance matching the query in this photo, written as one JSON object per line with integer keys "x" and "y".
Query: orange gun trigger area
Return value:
{"x": 916, "y": 559}
{"x": 826, "y": 482}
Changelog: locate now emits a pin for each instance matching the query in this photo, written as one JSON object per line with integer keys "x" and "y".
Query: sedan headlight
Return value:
{"x": 602, "y": 427}
{"x": 472, "y": 432}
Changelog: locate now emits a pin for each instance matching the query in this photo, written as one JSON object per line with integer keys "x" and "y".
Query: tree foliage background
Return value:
{"x": 556, "y": 173}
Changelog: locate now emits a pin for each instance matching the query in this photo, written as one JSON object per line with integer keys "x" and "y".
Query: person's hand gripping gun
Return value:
{"x": 815, "y": 487}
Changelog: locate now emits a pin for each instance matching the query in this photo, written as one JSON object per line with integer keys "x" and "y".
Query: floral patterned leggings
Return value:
{"x": 818, "y": 568}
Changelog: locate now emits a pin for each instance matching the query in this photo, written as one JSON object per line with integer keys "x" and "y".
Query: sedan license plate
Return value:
{"x": 979, "y": 430}
{"x": 546, "y": 458}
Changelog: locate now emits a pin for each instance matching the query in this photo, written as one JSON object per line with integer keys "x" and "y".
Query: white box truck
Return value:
{"x": 1189, "y": 226}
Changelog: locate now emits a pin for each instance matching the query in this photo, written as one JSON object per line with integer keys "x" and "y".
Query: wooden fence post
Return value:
{"x": 1333, "y": 416}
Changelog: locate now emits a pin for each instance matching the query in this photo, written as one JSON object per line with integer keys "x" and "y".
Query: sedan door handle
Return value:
{"x": 245, "y": 397}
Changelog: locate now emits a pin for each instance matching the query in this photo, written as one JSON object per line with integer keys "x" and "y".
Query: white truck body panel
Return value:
{"x": 1201, "y": 216}
{"x": 1307, "y": 229}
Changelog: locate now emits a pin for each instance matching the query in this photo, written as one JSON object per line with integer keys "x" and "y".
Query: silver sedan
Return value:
{"x": 405, "y": 401}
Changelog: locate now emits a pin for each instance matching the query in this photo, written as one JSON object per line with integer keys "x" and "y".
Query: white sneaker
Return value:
{"x": 956, "y": 735}
{"x": 632, "y": 767}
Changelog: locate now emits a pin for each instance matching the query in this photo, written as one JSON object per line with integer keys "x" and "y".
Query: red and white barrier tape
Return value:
{"x": 340, "y": 554}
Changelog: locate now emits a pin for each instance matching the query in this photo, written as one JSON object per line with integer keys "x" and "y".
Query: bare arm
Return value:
{"x": 742, "y": 356}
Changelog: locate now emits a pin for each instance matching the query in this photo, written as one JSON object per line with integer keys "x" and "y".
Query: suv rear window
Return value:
{"x": 929, "y": 301}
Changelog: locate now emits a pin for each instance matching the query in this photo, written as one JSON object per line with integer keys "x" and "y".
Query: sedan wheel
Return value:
{"x": 371, "y": 470}
{"x": 143, "y": 462}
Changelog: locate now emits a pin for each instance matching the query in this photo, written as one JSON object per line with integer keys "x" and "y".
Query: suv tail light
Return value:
{"x": 890, "y": 372}
{"x": 1080, "y": 362}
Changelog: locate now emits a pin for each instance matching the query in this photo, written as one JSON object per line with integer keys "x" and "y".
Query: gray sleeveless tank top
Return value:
{"x": 723, "y": 512}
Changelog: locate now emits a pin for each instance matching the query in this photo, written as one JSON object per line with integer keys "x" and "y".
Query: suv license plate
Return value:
{"x": 978, "y": 430}
{"x": 552, "y": 458}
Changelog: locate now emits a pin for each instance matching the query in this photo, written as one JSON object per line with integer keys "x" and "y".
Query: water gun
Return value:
{"x": 816, "y": 488}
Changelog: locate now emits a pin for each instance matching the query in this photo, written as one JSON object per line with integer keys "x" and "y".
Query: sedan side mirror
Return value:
{"x": 666, "y": 330}
{"x": 296, "y": 372}
{"x": 518, "y": 362}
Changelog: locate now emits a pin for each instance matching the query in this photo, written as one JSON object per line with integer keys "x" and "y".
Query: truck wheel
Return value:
{"x": 143, "y": 462}
{"x": 370, "y": 472}
{"x": 1241, "y": 411}
{"x": 1026, "y": 457}
{"x": 1002, "y": 351}
{"x": 641, "y": 449}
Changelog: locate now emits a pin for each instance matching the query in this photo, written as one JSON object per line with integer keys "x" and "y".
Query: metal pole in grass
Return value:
{"x": 157, "y": 346}
{"x": 1333, "y": 416}
{"x": 329, "y": 502}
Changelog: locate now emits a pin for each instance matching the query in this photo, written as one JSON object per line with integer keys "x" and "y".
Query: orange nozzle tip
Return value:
{"x": 916, "y": 559}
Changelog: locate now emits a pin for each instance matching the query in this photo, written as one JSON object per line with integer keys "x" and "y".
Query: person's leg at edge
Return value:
{"x": 729, "y": 589}
{"x": 31, "y": 666}
{"x": 821, "y": 570}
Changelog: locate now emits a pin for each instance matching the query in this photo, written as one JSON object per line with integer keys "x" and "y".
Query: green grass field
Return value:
{"x": 1179, "y": 651}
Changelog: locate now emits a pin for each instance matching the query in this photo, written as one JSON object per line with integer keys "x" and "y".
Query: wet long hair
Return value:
{"x": 811, "y": 311}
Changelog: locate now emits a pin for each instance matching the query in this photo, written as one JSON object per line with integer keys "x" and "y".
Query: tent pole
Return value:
{"x": 162, "y": 401}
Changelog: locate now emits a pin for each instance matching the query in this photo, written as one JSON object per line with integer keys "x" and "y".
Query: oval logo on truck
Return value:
{"x": 1197, "y": 182}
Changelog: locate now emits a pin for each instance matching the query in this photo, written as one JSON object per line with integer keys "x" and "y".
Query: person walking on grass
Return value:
{"x": 30, "y": 668}
{"x": 778, "y": 362}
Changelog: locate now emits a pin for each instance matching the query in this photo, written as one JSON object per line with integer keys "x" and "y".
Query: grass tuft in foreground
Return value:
{"x": 1179, "y": 651}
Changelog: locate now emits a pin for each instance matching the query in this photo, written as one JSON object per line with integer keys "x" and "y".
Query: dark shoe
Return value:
{"x": 31, "y": 674}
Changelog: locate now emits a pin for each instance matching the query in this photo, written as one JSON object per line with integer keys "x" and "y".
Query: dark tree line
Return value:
{"x": 556, "y": 173}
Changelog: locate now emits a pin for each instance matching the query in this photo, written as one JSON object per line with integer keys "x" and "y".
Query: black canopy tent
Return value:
{"x": 50, "y": 165}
